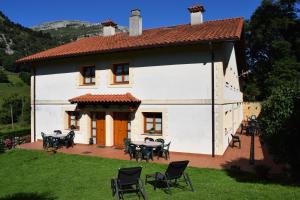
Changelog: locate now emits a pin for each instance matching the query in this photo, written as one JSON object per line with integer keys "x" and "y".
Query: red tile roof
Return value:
{"x": 218, "y": 30}
{"x": 105, "y": 98}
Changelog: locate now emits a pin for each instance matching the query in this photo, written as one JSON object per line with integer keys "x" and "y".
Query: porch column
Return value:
{"x": 109, "y": 128}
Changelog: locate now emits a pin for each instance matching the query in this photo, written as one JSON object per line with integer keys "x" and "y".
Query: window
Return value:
{"x": 73, "y": 119}
{"x": 153, "y": 123}
{"x": 121, "y": 73}
{"x": 88, "y": 75}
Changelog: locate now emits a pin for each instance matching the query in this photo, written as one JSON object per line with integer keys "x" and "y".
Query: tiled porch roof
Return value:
{"x": 105, "y": 98}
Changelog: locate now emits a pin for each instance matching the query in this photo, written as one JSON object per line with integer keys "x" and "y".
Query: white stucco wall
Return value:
{"x": 155, "y": 75}
{"x": 231, "y": 110}
{"x": 176, "y": 82}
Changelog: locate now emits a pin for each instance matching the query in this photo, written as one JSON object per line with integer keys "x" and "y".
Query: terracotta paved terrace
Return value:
{"x": 232, "y": 156}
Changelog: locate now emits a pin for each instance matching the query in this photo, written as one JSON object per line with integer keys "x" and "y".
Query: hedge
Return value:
{"x": 17, "y": 132}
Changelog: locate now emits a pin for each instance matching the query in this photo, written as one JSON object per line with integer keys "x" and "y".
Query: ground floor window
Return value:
{"x": 152, "y": 123}
{"x": 73, "y": 121}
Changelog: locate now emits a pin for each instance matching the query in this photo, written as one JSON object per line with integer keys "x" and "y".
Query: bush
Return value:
{"x": 25, "y": 77}
{"x": 15, "y": 102}
{"x": 280, "y": 124}
{"x": 3, "y": 77}
{"x": 17, "y": 132}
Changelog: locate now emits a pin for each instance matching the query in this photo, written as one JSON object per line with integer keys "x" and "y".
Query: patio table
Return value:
{"x": 60, "y": 136}
{"x": 147, "y": 144}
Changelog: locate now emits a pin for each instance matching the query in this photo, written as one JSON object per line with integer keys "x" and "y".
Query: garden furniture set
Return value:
{"x": 145, "y": 150}
{"x": 129, "y": 179}
{"x": 57, "y": 139}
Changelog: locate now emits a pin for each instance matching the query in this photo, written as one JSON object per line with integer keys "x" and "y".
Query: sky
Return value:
{"x": 155, "y": 13}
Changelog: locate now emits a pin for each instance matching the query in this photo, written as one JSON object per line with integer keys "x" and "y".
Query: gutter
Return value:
{"x": 34, "y": 102}
{"x": 212, "y": 98}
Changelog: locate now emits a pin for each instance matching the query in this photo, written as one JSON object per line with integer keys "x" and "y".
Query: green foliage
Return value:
{"x": 3, "y": 77}
{"x": 278, "y": 108}
{"x": 24, "y": 42}
{"x": 20, "y": 109}
{"x": 273, "y": 51}
{"x": 16, "y": 132}
{"x": 273, "y": 45}
{"x": 280, "y": 124}
{"x": 25, "y": 76}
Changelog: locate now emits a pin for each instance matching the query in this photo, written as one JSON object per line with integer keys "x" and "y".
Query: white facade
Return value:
{"x": 173, "y": 81}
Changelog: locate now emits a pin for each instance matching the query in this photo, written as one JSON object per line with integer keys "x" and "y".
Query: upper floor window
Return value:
{"x": 153, "y": 123}
{"x": 73, "y": 119}
{"x": 88, "y": 75}
{"x": 121, "y": 73}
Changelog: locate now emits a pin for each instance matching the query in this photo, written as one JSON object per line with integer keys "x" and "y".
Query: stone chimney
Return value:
{"x": 135, "y": 23}
{"x": 196, "y": 14}
{"x": 109, "y": 28}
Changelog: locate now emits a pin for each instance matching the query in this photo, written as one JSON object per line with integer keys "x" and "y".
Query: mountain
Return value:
{"x": 70, "y": 30}
{"x": 60, "y": 24}
{"x": 17, "y": 41}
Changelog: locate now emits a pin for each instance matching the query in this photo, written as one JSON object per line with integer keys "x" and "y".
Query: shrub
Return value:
{"x": 15, "y": 102}
{"x": 25, "y": 77}
{"x": 17, "y": 132}
{"x": 280, "y": 124}
{"x": 3, "y": 77}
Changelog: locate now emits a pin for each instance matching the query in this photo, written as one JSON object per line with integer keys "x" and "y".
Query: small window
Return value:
{"x": 121, "y": 73}
{"x": 153, "y": 123}
{"x": 73, "y": 119}
{"x": 88, "y": 75}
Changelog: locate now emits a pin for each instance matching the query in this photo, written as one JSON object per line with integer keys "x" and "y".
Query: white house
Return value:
{"x": 179, "y": 83}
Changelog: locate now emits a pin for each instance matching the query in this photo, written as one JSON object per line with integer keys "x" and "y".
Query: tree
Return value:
{"x": 3, "y": 77}
{"x": 273, "y": 52}
{"x": 272, "y": 35}
{"x": 25, "y": 76}
{"x": 17, "y": 103}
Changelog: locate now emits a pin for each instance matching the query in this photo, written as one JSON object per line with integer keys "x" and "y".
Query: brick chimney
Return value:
{"x": 109, "y": 28}
{"x": 196, "y": 14}
{"x": 135, "y": 23}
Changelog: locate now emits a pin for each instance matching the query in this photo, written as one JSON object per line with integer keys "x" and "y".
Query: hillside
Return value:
{"x": 70, "y": 30}
{"x": 17, "y": 41}
{"x": 15, "y": 86}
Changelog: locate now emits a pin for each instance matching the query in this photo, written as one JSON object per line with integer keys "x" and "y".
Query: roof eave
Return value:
{"x": 24, "y": 61}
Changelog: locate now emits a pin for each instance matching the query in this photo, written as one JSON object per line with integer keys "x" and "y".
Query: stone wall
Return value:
{"x": 251, "y": 108}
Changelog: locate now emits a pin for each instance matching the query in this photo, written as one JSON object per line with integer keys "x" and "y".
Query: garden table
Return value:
{"x": 147, "y": 144}
{"x": 60, "y": 136}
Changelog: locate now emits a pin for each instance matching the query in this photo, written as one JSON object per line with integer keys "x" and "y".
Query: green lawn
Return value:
{"x": 15, "y": 86}
{"x": 34, "y": 173}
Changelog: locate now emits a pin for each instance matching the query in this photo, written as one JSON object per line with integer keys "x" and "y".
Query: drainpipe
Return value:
{"x": 34, "y": 103}
{"x": 212, "y": 98}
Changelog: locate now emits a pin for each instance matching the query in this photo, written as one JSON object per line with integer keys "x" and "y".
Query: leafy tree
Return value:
{"x": 273, "y": 52}
{"x": 3, "y": 77}
{"x": 16, "y": 102}
{"x": 25, "y": 76}
{"x": 272, "y": 35}
{"x": 280, "y": 124}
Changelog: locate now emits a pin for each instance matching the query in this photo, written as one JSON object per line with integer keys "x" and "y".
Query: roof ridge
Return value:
{"x": 214, "y": 20}
{"x": 181, "y": 34}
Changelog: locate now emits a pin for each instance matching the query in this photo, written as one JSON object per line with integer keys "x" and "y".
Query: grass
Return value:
{"x": 15, "y": 86}
{"x": 27, "y": 174}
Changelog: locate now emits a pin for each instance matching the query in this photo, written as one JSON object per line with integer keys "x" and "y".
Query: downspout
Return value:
{"x": 34, "y": 103}
{"x": 212, "y": 98}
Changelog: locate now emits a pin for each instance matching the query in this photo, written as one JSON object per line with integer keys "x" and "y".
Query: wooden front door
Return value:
{"x": 100, "y": 127}
{"x": 120, "y": 128}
